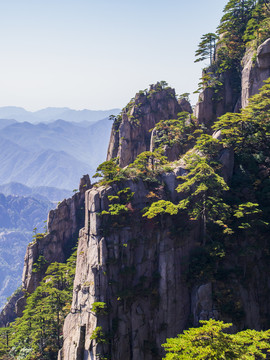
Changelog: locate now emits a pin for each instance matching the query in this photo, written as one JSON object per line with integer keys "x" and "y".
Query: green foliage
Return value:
{"x": 249, "y": 131}
{"x": 99, "y": 335}
{"x": 180, "y": 131}
{"x": 208, "y": 145}
{"x": 40, "y": 264}
{"x": 243, "y": 22}
{"x": 5, "y": 333}
{"x": 37, "y": 334}
{"x": 210, "y": 341}
{"x": 109, "y": 171}
{"x": 147, "y": 165}
{"x": 116, "y": 121}
{"x": 204, "y": 189}
{"x": 121, "y": 201}
{"x": 99, "y": 308}
{"x": 249, "y": 214}
{"x": 237, "y": 14}
{"x": 206, "y": 48}
{"x": 258, "y": 27}
{"x": 184, "y": 96}
{"x": 161, "y": 207}
{"x": 37, "y": 236}
{"x": 115, "y": 209}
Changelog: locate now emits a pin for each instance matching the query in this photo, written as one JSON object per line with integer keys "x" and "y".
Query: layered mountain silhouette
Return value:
{"x": 43, "y": 155}
{"x": 55, "y": 154}
{"x": 19, "y": 215}
{"x": 46, "y": 193}
{"x": 54, "y": 113}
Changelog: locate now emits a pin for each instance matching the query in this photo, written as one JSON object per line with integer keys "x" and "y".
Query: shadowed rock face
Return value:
{"x": 256, "y": 69}
{"x": 137, "y": 267}
{"x": 8, "y": 314}
{"x": 211, "y": 106}
{"x": 132, "y": 135}
{"x": 63, "y": 227}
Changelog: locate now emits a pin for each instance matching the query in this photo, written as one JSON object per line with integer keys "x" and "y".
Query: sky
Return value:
{"x": 86, "y": 54}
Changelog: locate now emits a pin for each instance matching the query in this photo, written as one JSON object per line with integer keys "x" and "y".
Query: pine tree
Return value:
{"x": 207, "y": 48}
{"x": 204, "y": 190}
{"x": 211, "y": 342}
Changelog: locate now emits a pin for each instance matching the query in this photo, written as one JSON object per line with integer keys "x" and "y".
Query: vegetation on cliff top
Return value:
{"x": 245, "y": 23}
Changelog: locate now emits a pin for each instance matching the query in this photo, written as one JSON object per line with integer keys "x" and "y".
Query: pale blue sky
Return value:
{"x": 98, "y": 54}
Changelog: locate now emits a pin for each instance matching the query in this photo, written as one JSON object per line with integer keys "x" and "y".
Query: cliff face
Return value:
{"x": 213, "y": 104}
{"x": 256, "y": 69}
{"x": 8, "y": 314}
{"x": 131, "y": 135}
{"x": 138, "y": 268}
{"x": 63, "y": 226}
{"x": 152, "y": 277}
{"x": 230, "y": 98}
{"x": 148, "y": 273}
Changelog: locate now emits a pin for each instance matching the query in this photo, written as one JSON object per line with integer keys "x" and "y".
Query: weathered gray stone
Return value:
{"x": 63, "y": 226}
{"x": 256, "y": 69}
{"x": 133, "y": 136}
{"x": 138, "y": 270}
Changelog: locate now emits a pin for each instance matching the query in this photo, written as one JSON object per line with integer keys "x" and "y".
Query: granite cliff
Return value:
{"x": 151, "y": 275}
{"x": 131, "y": 134}
{"x": 56, "y": 244}
{"x": 140, "y": 280}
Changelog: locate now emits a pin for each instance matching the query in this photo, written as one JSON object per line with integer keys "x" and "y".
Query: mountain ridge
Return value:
{"x": 53, "y": 113}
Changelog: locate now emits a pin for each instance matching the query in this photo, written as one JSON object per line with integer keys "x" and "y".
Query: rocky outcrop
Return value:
{"x": 137, "y": 268}
{"x": 256, "y": 69}
{"x": 63, "y": 227}
{"x": 215, "y": 101}
{"x": 202, "y": 304}
{"x": 131, "y": 133}
{"x": 8, "y": 314}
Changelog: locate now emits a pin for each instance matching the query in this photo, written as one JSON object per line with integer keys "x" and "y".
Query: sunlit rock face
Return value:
{"x": 63, "y": 226}
{"x": 131, "y": 136}
{"x": 256, "y": 69}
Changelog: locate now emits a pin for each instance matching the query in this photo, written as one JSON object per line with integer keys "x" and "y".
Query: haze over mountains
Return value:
{"x": 43, "y": 155}
{"x": 54, "y": 113}
{"x": 19, "y": 215}
{"x": 56, "y": 153}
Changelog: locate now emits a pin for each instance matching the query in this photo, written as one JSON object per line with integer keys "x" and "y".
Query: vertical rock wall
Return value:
{"x": 140, "y": 116}
{"x": 63, "y": 226}
{"x": 138, "y": 268}
{"x": 256, "y": 69}
{"x": 213, "y": 104}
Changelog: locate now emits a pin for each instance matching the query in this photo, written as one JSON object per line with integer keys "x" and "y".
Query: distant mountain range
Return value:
{"x": 53, "y": 113}
{"x": 19, "y": 215}
{"x": 55, "y": 154}
{"x": 43, "y": 155}
{"x": 24, "y": 213}
{"x": 45, "y": 193}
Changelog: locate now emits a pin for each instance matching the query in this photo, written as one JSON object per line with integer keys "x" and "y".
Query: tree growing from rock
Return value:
{"x": 206, "y": 48}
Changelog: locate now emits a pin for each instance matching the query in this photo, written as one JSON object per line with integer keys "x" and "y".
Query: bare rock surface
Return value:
{"x": 256, "y": 69}
{"x": 8, "y": 314}
{"x": 137, "y": 267}
{"x": 56, "y": 245}
{"x": 132, "y": 135}
{"x": 211, "y": 104}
